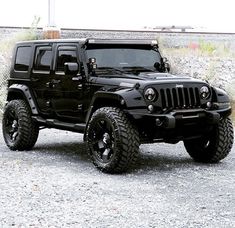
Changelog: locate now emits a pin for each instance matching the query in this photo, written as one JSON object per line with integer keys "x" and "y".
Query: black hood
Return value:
{"x": 161, "y": 76}
{"x": 143, "y": 79}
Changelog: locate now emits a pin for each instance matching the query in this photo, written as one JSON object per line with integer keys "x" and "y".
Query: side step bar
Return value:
{"x": 53, "y": 123}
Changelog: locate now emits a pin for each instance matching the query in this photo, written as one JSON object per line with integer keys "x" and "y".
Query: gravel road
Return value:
{"x": 55, "y": 185}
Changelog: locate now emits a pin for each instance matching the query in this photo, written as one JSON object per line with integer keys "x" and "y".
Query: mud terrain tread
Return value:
{"x": 225, "y": 140}
{"x": 28, "y": 129}
{"x": 128, "y": 141}
{"x": 221, "y": 144}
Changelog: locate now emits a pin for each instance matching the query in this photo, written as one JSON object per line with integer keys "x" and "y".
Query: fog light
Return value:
{"x": 150, "y": 108}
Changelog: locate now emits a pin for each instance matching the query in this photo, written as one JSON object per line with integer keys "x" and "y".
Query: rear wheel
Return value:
{"x": 113, "y": 141}
{"x": 213, "y": 147}
{"x": 19, "y": 130}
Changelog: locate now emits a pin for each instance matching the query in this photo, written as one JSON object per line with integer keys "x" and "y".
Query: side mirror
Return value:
{"x": 167, "y": 67}
{"x": 71, "y": 68}
{"x": 157, "y": 66}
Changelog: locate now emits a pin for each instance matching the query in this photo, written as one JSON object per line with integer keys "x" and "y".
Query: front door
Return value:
{"x": 69, "y": 91}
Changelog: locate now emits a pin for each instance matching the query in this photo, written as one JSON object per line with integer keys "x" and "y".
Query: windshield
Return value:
{"x": 124, "y": 58}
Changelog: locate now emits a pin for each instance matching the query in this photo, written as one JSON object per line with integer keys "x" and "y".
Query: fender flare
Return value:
{"x": 220, "y": 95}
{"x": 125, "y": 98}
{"x": 101, "y": 95}
{"x": 24, "y": 90}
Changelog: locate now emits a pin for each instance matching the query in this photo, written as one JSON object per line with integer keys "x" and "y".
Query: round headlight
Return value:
{"x": 204, "y": 92}
{"x": 150, "y": 94}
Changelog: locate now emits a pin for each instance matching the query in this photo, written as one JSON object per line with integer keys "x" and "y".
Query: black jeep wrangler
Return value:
{"x": 119, "y": 93}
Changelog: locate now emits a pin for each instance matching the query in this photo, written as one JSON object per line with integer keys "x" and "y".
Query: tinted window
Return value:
{"x": 66, "y": 55}
{"x": 43, "y": 58}
{"x": 124, "y": 57}
{"x": 23, "y": 55}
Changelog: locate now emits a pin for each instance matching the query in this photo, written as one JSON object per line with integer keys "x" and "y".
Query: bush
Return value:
{"x": 206, "y": 47}
{"x": 231, "y": 91}
{"x": 6, "y": 47}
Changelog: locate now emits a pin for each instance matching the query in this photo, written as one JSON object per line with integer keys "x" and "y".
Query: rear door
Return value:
{"x": 41, "y": 77}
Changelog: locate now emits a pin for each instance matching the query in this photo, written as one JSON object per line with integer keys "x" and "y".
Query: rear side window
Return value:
{"x": 43, "y": 58}
{"x": 23, "y": 55}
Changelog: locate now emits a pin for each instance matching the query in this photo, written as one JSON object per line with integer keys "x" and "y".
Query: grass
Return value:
{"x": 2, "y": 99}
{"x": 230, "y": 88}
{"x": 199, "y": 48}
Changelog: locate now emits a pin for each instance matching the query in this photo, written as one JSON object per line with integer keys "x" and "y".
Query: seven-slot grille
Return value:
{"x": 180, "y": 98}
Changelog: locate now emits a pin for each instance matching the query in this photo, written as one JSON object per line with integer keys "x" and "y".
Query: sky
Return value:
{"x": 208, "y": 15}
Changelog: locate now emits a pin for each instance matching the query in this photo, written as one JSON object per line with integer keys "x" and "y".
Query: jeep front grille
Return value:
{"x": 179, "y": 98}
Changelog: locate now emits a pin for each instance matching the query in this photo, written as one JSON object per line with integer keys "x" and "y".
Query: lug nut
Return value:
{"x": 122, "y": 102}
{"x": 208, "y": 104}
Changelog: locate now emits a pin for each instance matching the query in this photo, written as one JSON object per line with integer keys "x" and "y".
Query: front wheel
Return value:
{"x": 19, "y": 130}
{"x": 213, "y": 147}
{"x": 112, "y": 139}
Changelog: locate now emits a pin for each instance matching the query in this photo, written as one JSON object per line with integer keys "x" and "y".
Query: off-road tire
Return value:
{"x": 125, "y": 136}
{"x": 213, "y": 147}
{"x": 26, "y": 131}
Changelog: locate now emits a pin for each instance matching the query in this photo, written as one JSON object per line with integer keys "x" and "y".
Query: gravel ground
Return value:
{"x": 55, "y": 185}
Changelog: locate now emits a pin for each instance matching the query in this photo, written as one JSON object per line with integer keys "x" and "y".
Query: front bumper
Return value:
{"x": 169, "y": 120}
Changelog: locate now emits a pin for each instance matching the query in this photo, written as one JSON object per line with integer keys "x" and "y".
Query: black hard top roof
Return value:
{"x": 52, "y": 41}
{"x": 122, "y": 41}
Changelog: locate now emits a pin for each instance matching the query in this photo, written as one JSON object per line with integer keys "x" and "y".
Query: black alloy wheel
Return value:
{"x": 19, "y": 130}
{"x": 112, "y": 139}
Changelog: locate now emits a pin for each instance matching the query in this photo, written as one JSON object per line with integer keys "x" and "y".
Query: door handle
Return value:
{"x": 52, "y": 83}
{"x": 49, "y": 84}
{"x": 55, "y": 81}
{"x": 34, "y": 79}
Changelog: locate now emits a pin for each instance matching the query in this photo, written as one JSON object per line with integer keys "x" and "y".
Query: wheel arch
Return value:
{"x": 122, "y": 98}
{"x": 220, "y": 95}
{"x": 102, "y": 100}
{"x": 17, "y": 91}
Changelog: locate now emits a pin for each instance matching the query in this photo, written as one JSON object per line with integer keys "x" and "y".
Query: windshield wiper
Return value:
{"x": 121, "y": 73}
{"x": 111, "y": 69}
